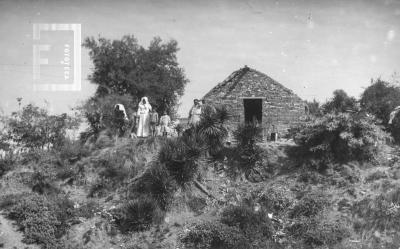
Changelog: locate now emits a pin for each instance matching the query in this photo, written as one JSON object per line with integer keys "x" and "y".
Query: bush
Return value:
{"x": 42, "y": 183}
{"x": 376, "y": 176}
{"x": 155, "y": 182}
{"x": 179, "y": 158}
{"x": 72, "y": 151}
{"x": 6, "y": 164}
{"x": 214, "y": 235}
{"x": 34, "y": 128}
{"x": 88, "y": 209}
{"x": 113, "y": 171}
{"x": 326, "y": 233}
{"x": 318, "y": 231}
{"x": 379, "y": 213}
{"x": 276, "y": 200}
{"x": 253, "y": 224}
{"x": 340, "y": 138}
{"x": 197, "y": 204}
{"x": 247, "y": 153}
{"x": 138, "y": 214}
{"x": 211, "y": 128}
{"x": 99, "y": 113}
{"x": 311, "y": 204}
{"x": 43, "y": 220}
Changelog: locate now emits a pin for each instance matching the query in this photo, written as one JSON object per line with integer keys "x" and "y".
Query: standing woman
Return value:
{"x": 195, "y": 113}
{"x": 143, "y": 126}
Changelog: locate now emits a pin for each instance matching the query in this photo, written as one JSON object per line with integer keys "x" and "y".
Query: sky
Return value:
{"x": 310, "y": 46}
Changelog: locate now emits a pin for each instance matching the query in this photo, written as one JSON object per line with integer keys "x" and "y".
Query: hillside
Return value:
{"x": 82, "y": 189}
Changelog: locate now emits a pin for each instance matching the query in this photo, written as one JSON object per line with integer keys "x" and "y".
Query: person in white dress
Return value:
{"x": 143, "y": 126}
{"x": 165, "y": 121}
{"x": 195, "y": 113}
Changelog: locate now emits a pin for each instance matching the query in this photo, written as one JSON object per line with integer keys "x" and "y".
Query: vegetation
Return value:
{"x": 43, "y": 219}
{"x": 124, "y": 67}
{"x": 247, "y": 152}
{"x": 212, "y": 235}
{"x": 340, "y": 103}
{"x": 336, "y": 186}
{"x": 33, "y": 128}
{"x": 340, "y": 138}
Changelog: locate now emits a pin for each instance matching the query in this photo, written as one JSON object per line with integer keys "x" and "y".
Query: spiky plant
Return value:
{"x": 212, "y": 127}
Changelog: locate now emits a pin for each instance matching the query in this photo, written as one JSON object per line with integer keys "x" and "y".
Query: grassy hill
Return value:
{"x": 88, "y": 196}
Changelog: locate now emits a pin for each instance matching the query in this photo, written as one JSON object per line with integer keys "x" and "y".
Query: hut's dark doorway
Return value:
{"x": 252, "y": 110}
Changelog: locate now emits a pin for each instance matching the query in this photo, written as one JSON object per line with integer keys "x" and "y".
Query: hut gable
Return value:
{"x": 250, "y": 94}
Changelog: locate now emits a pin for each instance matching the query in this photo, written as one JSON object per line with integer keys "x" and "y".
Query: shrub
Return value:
{"x": 379, "y": 213}
{"x": 138, "y": 214}
{"x": 42, "y": 219}
{"x": 72, "y": 150}
{"x": 99, "y": 113}
{"x": 247, "y": 153}
{"x": 318, "y": 231}
{"x": 88, "y": 209}
{"x": 276, "y": 200}
{"x": 214, "y": 235}
{"x": 376, "y": 176}
{"x": 6, "y": 164}
{"x": 197, "y": 204}
{"x": 211, "y": 127}
{"x": 253, "y": 224}
{"x": 33, "y": 128}
{"x": 311, "y": 204}
{"x": 113, "y": 170}
{"x": 42, "y": 183}
{"x": 155, "y": 182}
{"x": 179, "y": 158}
{"x": 326, "y": 233}
{"x": 340, "y": 138}
{"x": 99, "y": 189}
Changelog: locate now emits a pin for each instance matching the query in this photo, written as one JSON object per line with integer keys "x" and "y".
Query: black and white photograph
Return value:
{"x": 200, "y": 124}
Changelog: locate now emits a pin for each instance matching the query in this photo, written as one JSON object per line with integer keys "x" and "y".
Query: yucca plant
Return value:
{"x": 179, "y": 156}
{"x": 212, "y": 127}
{"x": 156, "y": 182}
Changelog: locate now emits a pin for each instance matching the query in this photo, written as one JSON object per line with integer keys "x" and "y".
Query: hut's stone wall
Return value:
{"x": 281, "y": 108}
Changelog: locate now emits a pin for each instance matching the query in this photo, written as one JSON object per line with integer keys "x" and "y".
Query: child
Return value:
{"x": 165, "y": 120}
{"x": 153, "y": 122}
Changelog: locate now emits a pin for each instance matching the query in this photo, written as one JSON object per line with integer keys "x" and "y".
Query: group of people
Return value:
{"x": 146, "y": 120}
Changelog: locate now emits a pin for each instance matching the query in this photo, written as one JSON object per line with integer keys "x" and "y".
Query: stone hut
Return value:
{"x": 252, "y": 96}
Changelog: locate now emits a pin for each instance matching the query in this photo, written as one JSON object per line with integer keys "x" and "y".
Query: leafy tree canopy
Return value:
{"x": 340, "y": 102}
{"x": 124, "y": 67}
{"x": 380, "y": 98}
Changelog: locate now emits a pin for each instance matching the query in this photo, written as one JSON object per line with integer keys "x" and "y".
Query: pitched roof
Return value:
{"x": 234, "y": 79}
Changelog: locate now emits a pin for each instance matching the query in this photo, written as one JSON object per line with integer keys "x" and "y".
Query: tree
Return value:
{"x": 124, "y": 67}
{"x": 380, "y": 98}
{"x": 314, "y": 108}
{"x": 340, "y": 102}
{"x": 33, "y": 128}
